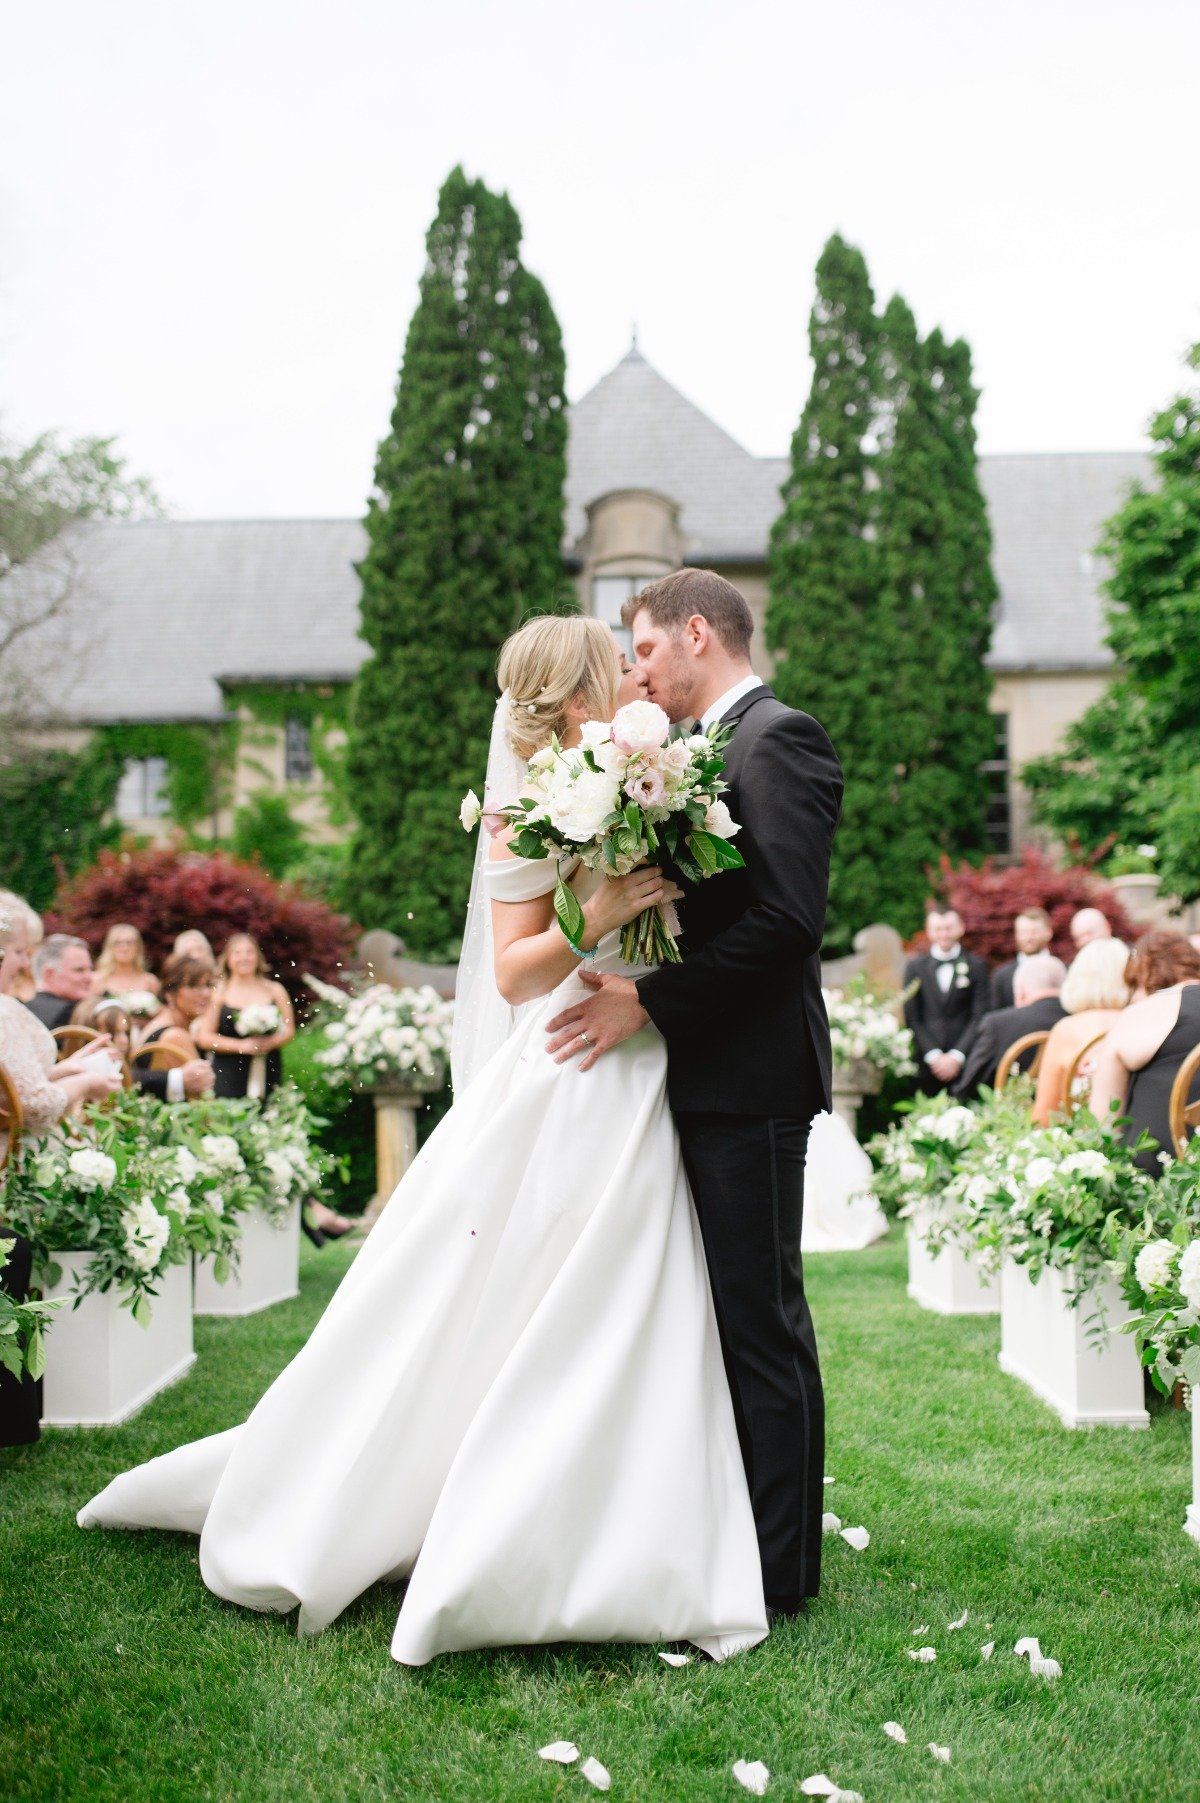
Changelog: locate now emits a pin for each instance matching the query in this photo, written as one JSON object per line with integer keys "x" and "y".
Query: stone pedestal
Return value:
{"x": 1088, "y": 1379}
{"x": 851, "y": 1082}
{"x": 396, "y": 1106}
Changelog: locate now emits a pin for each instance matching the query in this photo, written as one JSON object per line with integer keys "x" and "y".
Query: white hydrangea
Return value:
{"x": 1154, "y": 1265}
{"x": 179, "y": 1203}
{"x": 219, "y": 1152}
{"x": 186, "y": 1165}
{"x": 92, "y": 1170}
{"x": 954, "y": 1126}
{"x": 1039, "y": 1172}
{"x": 146, "y": 1234}
{"x": 1189, "y": 1274}
{"x": 1088, "y": 1164}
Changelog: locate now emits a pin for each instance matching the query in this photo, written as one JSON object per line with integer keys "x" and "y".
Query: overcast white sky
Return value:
{"x": 212, "y": 216}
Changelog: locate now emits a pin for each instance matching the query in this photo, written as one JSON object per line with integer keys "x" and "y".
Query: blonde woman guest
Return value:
{"x": 25, "y": 985}
{"x": 245, "y": 1064}
{"x": 191, "y": 943}
{"x": 121, "y": 968}
{"x": 1093, "y": 995}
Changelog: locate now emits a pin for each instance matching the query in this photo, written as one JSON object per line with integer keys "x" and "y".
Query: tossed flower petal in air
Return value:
{"x": 562, "y": 1752}
{"x": 924, "y": 1655}
{"x": 960, "y": 1623}
{"x": 895, "y": 1732}
{"x": 752, "y": 1775}
{"x": 675, "y": 1658}
{"x": 858, "y": 1538}
{"x": 831, "y": 1524}
{"x": 596, "y": 1774}
{"x": 942, "y": 1753}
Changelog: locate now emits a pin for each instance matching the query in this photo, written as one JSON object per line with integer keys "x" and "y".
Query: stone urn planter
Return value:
{"x": 1138, "y": 891}
{"x": 398, "y": 1101}
{"x": 851, "y": 1082}
{"x": 1088, "y": 1379}
{"x": 101, "y": 1367}
{"x": 269, "y": 1271}
{"x": 949, "y": 1282}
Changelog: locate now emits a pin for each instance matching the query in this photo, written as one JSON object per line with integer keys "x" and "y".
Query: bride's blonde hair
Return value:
{"x": 545, "y": 665}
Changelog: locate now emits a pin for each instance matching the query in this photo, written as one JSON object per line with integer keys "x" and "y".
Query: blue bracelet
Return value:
{"x": 585, "y": 956}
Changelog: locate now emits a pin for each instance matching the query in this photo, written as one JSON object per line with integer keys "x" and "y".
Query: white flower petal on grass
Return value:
{"x": 831, "y": 1524}
{"x": 675, "y": 1658}
{"x": 818, "y": 1786}
{"x": 923, "y": 1629}
{"x": 1028, "y": 1646}
{"x": 942, "y": 1753}
{"x": 752, "y": 1775}
{"x": 562, "y": 1752}
{"x": 831, "y": 1480}
{"x": 924, "y": 1655}
{"x": 960, "y": 1623}
{"x": 596, "y": 1774}
{"x": 858, "y": 1538}
{"x": 895, "y": 1732}
{"x": 985, "y": 1652}
{"x": 1045, "y": 1668}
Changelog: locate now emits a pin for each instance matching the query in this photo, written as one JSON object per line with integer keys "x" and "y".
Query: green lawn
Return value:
{"x": 122, "y": 1677}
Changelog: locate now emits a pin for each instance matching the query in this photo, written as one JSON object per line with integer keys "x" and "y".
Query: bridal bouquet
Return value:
{"x": 258, "y": 1021}
{"x": 625, "y": 793}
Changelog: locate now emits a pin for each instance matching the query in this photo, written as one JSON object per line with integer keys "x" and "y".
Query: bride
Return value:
{"x": 516, "y": 1399}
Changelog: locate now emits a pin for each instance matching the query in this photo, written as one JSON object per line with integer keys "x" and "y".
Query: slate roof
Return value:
{"x": 167, "y": 608}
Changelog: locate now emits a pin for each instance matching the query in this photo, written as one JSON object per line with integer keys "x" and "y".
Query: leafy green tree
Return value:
{"x": 1129, "y": 766}
{"x": 881, "y": 593}
{"x": 264, "y": 830}
{"x": 465, "y": 531}
{"x": 54, "y": 806}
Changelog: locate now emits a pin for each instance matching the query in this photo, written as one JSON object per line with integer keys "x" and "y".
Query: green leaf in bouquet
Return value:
{"x": 527, "y": 844}
{"x": 633, "y": 819}
{"x": 688, "y": 865}
{"x": 570, "y": 914}
{"x": 610, "y": 855}
{"x": 651, "y": 838}
{"x": 714, "y": 853}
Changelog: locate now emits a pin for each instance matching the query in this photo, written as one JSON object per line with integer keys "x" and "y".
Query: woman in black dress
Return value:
{"x": 247, "y": 1022}
{"x": 1139, "y": 1057}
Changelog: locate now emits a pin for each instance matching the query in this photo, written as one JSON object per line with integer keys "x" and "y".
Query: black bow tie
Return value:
{"x": 697, "y": 726}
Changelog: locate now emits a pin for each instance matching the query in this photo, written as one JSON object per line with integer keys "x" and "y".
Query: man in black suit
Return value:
{"x": 950, "y": 1000}
{"x": 748, "y": 1045}
{"x": 1032, "y": 932}
{"x": 1037, "y": 1009}
{"x": 62, "y": 969}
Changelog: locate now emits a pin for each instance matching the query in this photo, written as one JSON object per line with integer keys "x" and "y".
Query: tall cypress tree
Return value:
{"x": 881, "y": 594}
{"x": 823, "y": 564}
{"x": 464, "y": 541}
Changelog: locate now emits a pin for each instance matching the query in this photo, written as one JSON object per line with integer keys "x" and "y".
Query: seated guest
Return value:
{"x": 1038, "y": 1008}
{"x": 182, "y": 1083}
{"x": 1089, "y": 924}
{"x": 121, "y": 967}
{"x": 62, "y": 968}
{"x": 1139, "y": 1056}
{"x": 191, "y": 943}
{"x": 187, "y": 986}
{"x": 1093, "y": 995}
{"x": 949, "y": 1001}
{"x": 25, "y": 986}
{"x": 1032, "y": 933}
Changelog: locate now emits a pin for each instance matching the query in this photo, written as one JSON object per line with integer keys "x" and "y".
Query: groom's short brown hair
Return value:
{"x": 672, "y": 601}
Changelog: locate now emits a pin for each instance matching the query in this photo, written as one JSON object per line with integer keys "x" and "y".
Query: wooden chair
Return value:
{"x": 12, "y": 1117}
{"x": 1071, "y": 1099}
{"x": 159, "y": 1057}
{"x": 69, "y": 1039}
{"x": 1016, "y": 1051}
{"x": 1184, "y": 1115}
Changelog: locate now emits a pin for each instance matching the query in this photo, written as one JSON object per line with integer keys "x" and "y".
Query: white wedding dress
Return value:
{"x": 840, "y": 1212}
{"x": 516, "y": 1399}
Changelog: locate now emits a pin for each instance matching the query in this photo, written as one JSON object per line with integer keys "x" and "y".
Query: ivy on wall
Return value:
{"x": 323, "y": 708}
{"x": 197, "y": 759}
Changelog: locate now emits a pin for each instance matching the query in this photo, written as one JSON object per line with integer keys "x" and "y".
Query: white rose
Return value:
{"x": 1088, "y": 1164}
{"x": 640, "y": 726}
{"x": 580, "y": 806}
{"x": 92, "y": 1170}
{"x": 390, "y": 1040}
{"x": 1154, "y": 1265}
{"x": 674, "y": 757}
{"x": 910, "y": 1171}
{"x": 186, "y": 1165}
{"x": 720, "y": 822}
{"x": 546, "y": 758}
{"x": 954, "y": 1126}
{"x": 471, "y": 811}
{"x": 1039, "y": 1171}
{"x": 1189, "y": 1274}
{"x": 180, "y": 1203}
{"x": 698, "y": 741}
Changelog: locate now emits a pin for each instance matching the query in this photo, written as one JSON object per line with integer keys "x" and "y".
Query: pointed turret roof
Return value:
{"x": 634, "y": 430}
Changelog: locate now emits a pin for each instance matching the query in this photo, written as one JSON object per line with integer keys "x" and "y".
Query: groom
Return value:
{"x": 747, "y": 1037}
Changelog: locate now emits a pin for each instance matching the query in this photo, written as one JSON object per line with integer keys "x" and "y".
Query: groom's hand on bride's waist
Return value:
{"x": 597, "y": 1025}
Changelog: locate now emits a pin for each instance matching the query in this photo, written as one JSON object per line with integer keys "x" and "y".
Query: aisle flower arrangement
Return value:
{"x": 1157, "y": 1264}
{"x": 384, "y": 1035}
{"x": 863, "y": 1028}
{"x": 22, "y": 1328}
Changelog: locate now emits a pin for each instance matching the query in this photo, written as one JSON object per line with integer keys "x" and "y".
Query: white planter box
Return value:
{"x": 101, "y": 1367}
{"x": 269, "y": 1271}
{"x": 1192, "y": 1520}
{"x": 949, "y": 1283}
{"x": 1051, "y": 1348}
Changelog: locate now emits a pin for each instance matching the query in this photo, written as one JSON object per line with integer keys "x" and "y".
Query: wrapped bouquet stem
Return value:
{"x": 626, "y": 795}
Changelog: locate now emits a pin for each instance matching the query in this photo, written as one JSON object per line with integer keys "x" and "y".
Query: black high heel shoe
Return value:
{"x": 313, "y": 1233}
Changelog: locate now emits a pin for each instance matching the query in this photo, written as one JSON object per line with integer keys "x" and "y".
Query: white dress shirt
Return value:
{"x": 724, "y": 702}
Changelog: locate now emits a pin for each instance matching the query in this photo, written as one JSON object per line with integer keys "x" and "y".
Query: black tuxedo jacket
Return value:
{"x": 1002, "y": 986}
{"x": 945, "y": 1023}
{"x": 997, "y": 1031}
{"x": 51, "y": 1010}
{"x": 742, "y": 1015}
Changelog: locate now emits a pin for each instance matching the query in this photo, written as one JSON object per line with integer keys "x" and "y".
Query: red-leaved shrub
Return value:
{"x": 990, "y": 898}
{"x": 163, "y": 890}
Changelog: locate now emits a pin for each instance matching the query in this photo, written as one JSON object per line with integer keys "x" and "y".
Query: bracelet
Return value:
{"x": 584, "y": 957}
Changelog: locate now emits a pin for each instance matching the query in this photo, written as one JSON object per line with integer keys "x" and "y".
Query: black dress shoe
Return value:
{"x": 312, "y": 1233}
{"x": 775, "y": 1613}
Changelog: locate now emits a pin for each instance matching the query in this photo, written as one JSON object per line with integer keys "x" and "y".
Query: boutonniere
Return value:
{"x": 962, "y": 974}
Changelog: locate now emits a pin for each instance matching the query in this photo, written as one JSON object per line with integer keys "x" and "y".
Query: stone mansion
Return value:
{"x": 252, "y": 624}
